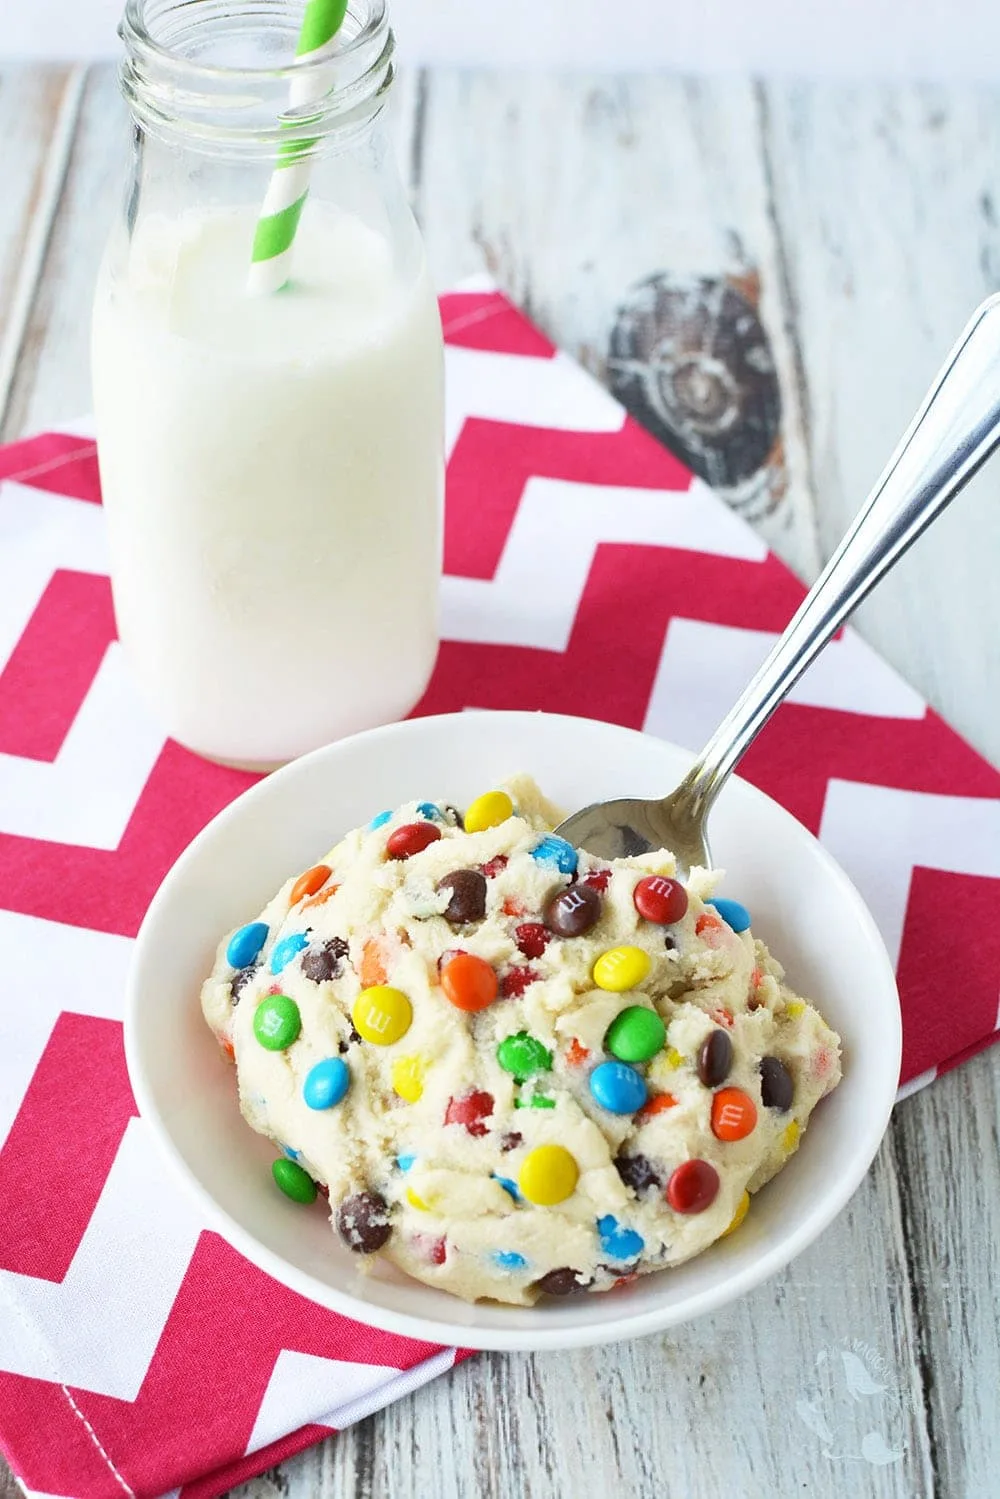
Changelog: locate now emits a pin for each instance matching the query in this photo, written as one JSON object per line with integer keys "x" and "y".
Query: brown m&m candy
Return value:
{"x": 638, "y": 1172}
{"x": 776, "y": 1087}
{"x": 562, "y": 1282}
{"x": 573, "y": 911}
{"x": 363, "y": 1222}
{"x": 715, "y": 1057}
{"x": 326, "y": 962}
{"x": 468, "y": 896}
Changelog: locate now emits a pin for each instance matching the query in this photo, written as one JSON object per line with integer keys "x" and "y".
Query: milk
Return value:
{"x": 272, "y": 476}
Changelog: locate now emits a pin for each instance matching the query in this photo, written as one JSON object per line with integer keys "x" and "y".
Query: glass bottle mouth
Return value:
{"x": 222, "y": 74}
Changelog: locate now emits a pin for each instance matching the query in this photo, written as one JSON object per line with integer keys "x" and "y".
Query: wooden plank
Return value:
{"x": 888, "y": 202}
{"x": 947, "y": 1150}
{"x": 38, "y": 110}
{"x": 52, "y": 381}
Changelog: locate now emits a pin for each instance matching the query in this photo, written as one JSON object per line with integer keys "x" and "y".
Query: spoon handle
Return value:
{"x": 955, "y": 430}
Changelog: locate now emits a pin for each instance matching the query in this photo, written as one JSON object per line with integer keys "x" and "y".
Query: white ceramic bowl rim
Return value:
{"x": 425, "y": 737}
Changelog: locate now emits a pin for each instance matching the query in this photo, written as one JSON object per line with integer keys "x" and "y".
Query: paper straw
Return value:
{"x": 271, "y": 259}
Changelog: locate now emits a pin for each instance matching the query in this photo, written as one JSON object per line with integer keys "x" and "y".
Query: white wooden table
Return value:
{"x": 867, "y": 219}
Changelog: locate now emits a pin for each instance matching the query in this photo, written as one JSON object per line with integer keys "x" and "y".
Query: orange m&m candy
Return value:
{"x": 469, "y": 982}
{"x": 734, "y": 1114}
{"x": 310, "y": 882}
{"x": 658, "y": 1104}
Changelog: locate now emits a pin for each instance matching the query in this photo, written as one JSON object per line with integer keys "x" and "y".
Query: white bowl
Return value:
{"x": 802, "y": 904}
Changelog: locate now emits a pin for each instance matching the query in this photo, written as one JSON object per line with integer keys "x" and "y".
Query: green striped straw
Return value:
{"x": 271, "y": 259}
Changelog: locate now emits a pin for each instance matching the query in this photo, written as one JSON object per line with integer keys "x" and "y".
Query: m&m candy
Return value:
{"x": 382, "y": 1015}
{"x": 621, "y": 968}
{"x": 776, "y": 1087}
{"x": 618, "y": 1088}
{"x": 573, "y": 911}
{"x": 430, "y": 810}
{"x": 412, "y": 838}
{"x": 693, "y": 1187}
{"x": 635, "y": 1035}
{"x": 488, "y": 811}
{"x": 532, "y": 938}
{"x": 307, "y": 884}
{"x": 510, "y": 1187}
{"x": 548, "y": 1175}
{"x": 617, "y": 1241}
{"x": 293, "y": 1180}
{"x": 509, "y": 1259}
{"x": 660, "y": 900}
{"x": 405, "y": 1161}
{"x": 732, "y": 913}
{"x": 715, "y": 1057}
{"x": 472, "y": 1109}
{"x": 470, "y": 983}
{"x": 277, "y": 1022}
{"x": 326, "y": 1083}
{"x": 553, "y": 850}
{"x": 522, "y": 1055}
{"x": 734, "y": 1114}
{"x": 407, "y": 1078}
{"x": 742, "y": 1208}
{"x": 244, "y": 946}
{"x": 287, "y": 949}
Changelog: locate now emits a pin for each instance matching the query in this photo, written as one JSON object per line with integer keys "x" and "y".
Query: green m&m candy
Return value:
{"x": 635, "y": 1035}
{"x": 293, "y": 1181}
{"x": 522, "y": 1056}
{"x": 277, "y": 1022}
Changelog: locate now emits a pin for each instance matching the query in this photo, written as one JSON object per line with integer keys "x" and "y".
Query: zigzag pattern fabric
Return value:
{"x": 139, "y": 1354}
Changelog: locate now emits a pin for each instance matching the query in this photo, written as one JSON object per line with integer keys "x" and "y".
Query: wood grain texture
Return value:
{"x": 889, "y": 202}
{"x": 38, "y": 111}
{"x": 52, "y": 380}
{"x": 870, "y": 1366}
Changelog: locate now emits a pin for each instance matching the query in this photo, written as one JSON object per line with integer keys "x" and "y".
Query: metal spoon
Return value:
{"x": 953, "y": 433}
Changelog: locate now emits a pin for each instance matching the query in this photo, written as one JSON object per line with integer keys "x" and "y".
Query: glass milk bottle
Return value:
{"x": 271, "y": 459}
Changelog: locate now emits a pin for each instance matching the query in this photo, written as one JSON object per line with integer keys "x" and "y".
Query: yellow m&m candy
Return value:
{"x": 742, "y": 1208}
{"x": 416, "y": 1202}
{"x": 488, "y": 811}
{"x": 621, "y": 968}
{"x": 408, "y": 1078}
{"x": 382, "y": 1015}
{"x": 790, "y": 1137}
{"x": 548, "y": 1174}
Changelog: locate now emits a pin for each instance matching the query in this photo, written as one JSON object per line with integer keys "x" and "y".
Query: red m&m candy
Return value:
{"x": 659, "y": 899}
{"x": 412, "y": 838}
{"x": 532, "y": 938}
{"x": 470, "y": 1110}
{"x": 693, "y": 1187}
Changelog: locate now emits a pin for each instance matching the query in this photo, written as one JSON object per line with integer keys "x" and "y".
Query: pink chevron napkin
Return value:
{"x": 139, "y": 1354}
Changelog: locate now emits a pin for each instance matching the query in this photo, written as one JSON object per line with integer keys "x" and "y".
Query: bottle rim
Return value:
{"x": 259, "y": 109}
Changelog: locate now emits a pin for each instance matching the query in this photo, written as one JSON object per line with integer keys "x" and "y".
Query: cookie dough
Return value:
{"x": 514, "y": 1069}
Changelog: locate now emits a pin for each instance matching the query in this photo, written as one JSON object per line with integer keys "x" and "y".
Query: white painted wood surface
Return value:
{"x": 868, "y": 215}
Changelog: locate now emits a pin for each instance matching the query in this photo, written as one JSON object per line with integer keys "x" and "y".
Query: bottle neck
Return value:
{"x": 205, "y": 75}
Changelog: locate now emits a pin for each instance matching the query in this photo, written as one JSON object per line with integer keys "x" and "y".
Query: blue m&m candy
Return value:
{"x": 326, "y": 1083}
{"x": 618, "y": 1088}
{"x": 430, "y": 810}
{"x": 245, "y": 945}
{"x": 287, "y": 949}
{"x": 732, "y": 913}
{"x": 406, "y": 1160}
{"x": 509, "y": 1186}
{"x": 379, "y": 821}
{"x": 617, "y": 1241}
{"x": 509, "y": 1259}
{"x": 557, "y": 851}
